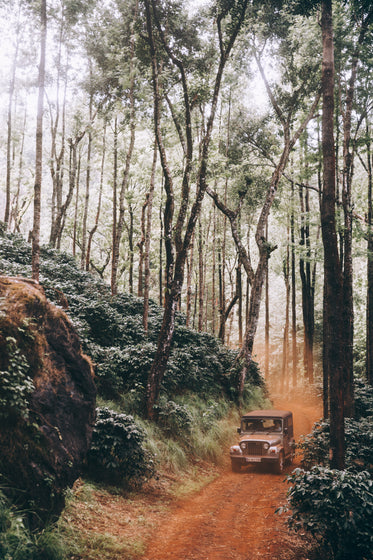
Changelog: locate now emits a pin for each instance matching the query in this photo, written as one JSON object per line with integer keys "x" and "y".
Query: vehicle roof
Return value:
{"x": 267, "y": 413}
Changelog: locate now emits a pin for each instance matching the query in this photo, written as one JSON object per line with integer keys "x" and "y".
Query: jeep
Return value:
{"x": 266, "y": 437}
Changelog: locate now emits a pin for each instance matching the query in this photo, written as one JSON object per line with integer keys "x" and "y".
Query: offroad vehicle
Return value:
{"x": 266, "y": 437}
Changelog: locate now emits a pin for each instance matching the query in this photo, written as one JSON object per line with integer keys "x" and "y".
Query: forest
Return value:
{"x": 190, "y": 183}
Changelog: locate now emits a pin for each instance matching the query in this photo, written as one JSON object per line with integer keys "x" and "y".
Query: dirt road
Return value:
{"x": 234, "y": 516}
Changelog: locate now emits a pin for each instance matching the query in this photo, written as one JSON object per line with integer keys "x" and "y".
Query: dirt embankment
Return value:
{"x": 234, "y": 516}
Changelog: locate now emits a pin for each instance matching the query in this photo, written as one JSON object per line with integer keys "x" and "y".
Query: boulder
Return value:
{"x": 47, "y": 399}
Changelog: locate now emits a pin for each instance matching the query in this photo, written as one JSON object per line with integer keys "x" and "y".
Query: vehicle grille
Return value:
{"x": 253, "y": 448}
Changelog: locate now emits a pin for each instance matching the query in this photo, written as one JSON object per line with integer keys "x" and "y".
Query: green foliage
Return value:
{"x": 363, "y": 399}
{"x": 336, "y": 507}
{"x": 16, "y": 386}
{"x": 358, "y": 439}
{"x": 112, "y": 333}
{"x": 117, "y": 453}
{"x": 175, "y": 419}
{"x": 17, "y": 543}
{"x": 315, "y": 446}
{"x": 358, "y": 436}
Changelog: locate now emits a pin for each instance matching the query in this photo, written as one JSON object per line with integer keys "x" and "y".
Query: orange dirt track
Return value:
{"x": 234, "y": 516}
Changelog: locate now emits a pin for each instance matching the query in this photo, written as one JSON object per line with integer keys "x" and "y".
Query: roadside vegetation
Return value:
{"x": 196, "y": 409}
{"x": 336, "y": 506}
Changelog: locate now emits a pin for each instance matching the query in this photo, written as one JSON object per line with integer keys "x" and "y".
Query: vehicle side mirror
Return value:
{"x": 286, "y": 431}
{"x": 238, "y": 430}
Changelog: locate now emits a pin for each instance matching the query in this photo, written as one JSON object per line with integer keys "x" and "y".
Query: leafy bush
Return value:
{"x": 175, "y": 419}
{"x": 112, "y": 333}
{"x": 117, "y": 453}
{"x": 315, "y": 446}
{"x": 358, "y": 439}
{"x": 336, "y": 507}
{"x": 16, "y": 386}
{"x": 17, "y": 543}
{"x": 363, "y": 399}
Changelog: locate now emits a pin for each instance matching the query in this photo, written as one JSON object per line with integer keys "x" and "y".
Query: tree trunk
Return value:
{"x": 348, "y": 171}
{"x": 86, "y": 201}
{"x": 9, "y": 129}
{"x": 126, "y": 175}
{"x": 285, "y": 345}
{"x": 76, "y": 209}
{"x": 16, "y": 207}
{"x": 35, "y": 255}
{"x": 267, "y": 324}
{"x": 98, "y": 212}
{"x": 333, "y": 311}
{"x": 308, "y": 290}
{"x": 369, "y": 310}
{"x": 176, "y": 243}
{"x": 293, "y": 295}
{"x": 200, "y": 279}
{"x": 114, "y": 259}
{"x": 148, "y": 239}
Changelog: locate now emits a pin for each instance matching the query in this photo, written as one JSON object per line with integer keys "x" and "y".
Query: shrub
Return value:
{"x": 16, "y": 386}
{"x": 175, "y": 419}
{"x": 336, "y": 507}
{"x": 358, "y": 439}
{"x": 315, "y": 446}
{"x": 117, "y": 454}
{"x": 363, "y": 399}
{"x": 18, "y": 543}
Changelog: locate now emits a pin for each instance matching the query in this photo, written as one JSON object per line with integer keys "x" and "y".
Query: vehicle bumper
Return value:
{"x": 246, "y": 460}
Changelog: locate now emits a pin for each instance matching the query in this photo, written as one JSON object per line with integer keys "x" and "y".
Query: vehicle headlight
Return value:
{"x": 243, "y": 445}
{"x": 235, "y": 449}
{"x": 266, "y": 446}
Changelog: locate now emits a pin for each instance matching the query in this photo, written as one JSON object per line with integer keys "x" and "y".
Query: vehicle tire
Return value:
{"x": 280, "y": 465}
{"x": 236, "y": 465}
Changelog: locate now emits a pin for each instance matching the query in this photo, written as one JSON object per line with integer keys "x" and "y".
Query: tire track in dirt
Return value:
{"x": 234, "y": 516}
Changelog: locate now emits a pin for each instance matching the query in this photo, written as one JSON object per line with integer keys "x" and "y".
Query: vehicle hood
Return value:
{"x": 272, "y": 439}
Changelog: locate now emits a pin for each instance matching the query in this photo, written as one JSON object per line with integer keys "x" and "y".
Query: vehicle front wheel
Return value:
{"x": 280, "y": 465}
{"x": 236, "y": 465}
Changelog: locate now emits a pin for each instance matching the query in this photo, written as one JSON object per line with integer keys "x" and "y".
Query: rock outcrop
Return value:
{"x": 47, "y": 399}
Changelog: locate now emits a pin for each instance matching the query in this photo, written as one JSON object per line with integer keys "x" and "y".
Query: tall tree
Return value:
{"x": 39, "y": 144}
{"x": 333, "y": 282}
{"x": 228, "y": 20}
{"x": 285, "y": 117}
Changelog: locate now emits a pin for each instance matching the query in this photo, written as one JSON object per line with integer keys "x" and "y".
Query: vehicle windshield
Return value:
{"x": 262, "y": 425}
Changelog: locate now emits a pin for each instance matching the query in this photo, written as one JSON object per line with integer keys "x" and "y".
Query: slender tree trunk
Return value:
{"x": 267, "y": 324}
{"x": 200, "y": 278}
{"x": 131, "y": 249}
{"x": 333, "y": 312}
{"x": 76, "y": 209}
{"x": 213, "y": 295}
{"x": 98, "y": 212}
{"x": 293, "y": 295}
{"x": 369, "y": 305}
{"x": 307, "y": 284}
{"x": 114, "y": 259}
{"x": 16, "y": 210}
{"x": 126, "y": 175}
{"x": 56, "y": 161}
{"x": 140, "y": 244}
{"x": 285, "y": 346}
{"x": 348, "y": 171}
{"x": 39, "y": 146}
{"x": 190, "y": 268}
{"x": 9, "y": 128}
{"x": 240, "y": 303}
{"x": 148, "y": 239}
{"x": 86, "y": 198}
